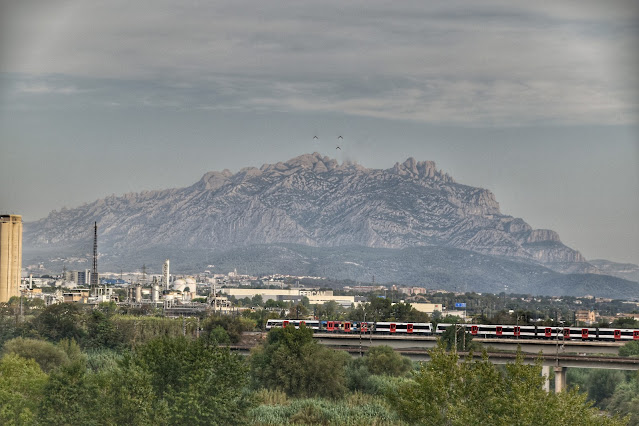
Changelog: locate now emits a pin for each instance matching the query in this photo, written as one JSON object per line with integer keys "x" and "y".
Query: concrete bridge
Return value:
{"x": 559, "y": 363}
{"x": 556, "y": 354}
{"x": 535, "y": 346}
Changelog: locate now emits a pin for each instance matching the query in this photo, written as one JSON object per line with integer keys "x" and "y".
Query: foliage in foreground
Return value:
{"x": 291, "y": 361}
{"x": 357, "y": 409}
{"x": 472, "y": 392}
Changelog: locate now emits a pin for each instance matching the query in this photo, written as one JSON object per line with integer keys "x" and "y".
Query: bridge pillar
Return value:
{"x": 560, "y": 379}
{"x": 545, "y": 371}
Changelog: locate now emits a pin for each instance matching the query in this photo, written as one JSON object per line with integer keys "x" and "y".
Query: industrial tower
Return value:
{"x": 94, "y": 271}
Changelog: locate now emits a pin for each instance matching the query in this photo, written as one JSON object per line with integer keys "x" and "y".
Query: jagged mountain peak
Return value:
{"x": 318, "y": 163}
{"x": 421, "y": 169}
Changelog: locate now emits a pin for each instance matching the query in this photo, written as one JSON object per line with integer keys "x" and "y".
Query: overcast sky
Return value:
{"x": 539, "y": 104}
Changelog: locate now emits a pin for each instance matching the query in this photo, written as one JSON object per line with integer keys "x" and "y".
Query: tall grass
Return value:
{"x": 356, "y": 409}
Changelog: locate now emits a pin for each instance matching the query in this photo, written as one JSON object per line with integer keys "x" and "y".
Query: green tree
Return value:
{"x": 125, "y": 396}
{"x": 383, "y": 360}
{"x": 378, "y": 309}
{"x": 474, "y": 392}
{"x": 46, "y": 354}
{"x": 292, "y": 362}
{"x": 400, "y": 311}
{"x": 329, "y": 310}
{"x": 257, "y": 300}
{"x": 625, "y": 322}
{"x": 61, "y": 321}
{"x": 210, "y": 381}
{"x": 456, "y": 335}
{"x": 102, "y": 332}
{"x": 630, "y": 349}
{"x": 601, "y": 385}
{"x": 21, "y": 390}
{"x": 70, "y": 397}
{"x": 625, "y": 400}
{"x": 234, "y": 327}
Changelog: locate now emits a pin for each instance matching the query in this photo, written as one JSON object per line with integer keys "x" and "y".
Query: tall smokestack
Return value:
{"x": 94, "y": 272}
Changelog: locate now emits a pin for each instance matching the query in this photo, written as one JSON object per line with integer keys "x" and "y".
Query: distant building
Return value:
{"x": 411, "y": 291}
{"x": 428, "y": 308}
{"x": 10, "y": 256}
{"x": 76, "y": 296}
{"x": 585, "y": 316}
{"x": 315, "y": 297}
{"x": 365, "y": 288}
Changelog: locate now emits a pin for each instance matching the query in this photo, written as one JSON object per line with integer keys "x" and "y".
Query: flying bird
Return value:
{"x": 339, "y": 137}
{"x": 315, "y": 137}
{"x": 339, "y": 148}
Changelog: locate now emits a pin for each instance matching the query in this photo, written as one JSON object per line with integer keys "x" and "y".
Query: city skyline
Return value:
{"x": 537, "y": 104}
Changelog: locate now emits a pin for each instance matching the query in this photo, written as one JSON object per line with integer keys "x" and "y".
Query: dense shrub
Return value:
{"x": 46, "y": 354}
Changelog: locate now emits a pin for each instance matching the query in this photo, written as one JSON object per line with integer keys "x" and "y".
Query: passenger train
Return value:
{"x": 477, "y": 330}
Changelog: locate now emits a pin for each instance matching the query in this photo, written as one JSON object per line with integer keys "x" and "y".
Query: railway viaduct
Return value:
{"x": 557, "y": 355}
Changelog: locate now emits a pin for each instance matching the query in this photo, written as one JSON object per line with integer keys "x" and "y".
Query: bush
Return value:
{"x": 21, "y": 390}
{"x": 292, "y": 362}
{"x": 46, "y": 354}
{"x": 383, "y": 360}
{"x": 630, "y": 349}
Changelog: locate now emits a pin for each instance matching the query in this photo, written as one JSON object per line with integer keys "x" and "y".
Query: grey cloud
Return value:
{"x": 492, "y": 62}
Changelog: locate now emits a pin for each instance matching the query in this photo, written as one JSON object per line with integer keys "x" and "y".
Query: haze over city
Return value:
{"x": 537, "y": 104}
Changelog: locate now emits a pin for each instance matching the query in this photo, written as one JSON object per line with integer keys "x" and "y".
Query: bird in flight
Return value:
{"x": 315, "y": 137}
{"x": 339, "y": 137}
{"x": 339, "y": 148}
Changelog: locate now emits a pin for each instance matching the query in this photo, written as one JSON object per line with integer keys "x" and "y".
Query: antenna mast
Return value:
{"x": 94, "y": 272}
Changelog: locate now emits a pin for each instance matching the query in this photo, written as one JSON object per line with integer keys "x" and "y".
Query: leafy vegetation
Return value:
{"x": 475, "y": 392}
{"x": 292, "y": 362}
{"x": 107, "y": 368}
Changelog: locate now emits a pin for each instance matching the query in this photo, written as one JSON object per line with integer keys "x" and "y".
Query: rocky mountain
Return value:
{"x": 313, "y": 201}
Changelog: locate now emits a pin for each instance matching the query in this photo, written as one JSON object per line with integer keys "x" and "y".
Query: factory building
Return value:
{"x": 315, "y": 297}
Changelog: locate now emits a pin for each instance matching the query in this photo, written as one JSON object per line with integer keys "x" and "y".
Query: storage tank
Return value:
{"x": 155, "y": 295}
{"x": 138, "y": 293}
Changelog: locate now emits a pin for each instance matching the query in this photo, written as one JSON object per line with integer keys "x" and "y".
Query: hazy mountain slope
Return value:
{"x": 627, "y": 271}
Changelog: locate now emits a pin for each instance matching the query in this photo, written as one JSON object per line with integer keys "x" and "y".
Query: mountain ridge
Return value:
{"x": 310, "y": 200}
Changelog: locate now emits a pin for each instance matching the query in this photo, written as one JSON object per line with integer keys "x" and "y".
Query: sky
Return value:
{"x": 537, "y": 103}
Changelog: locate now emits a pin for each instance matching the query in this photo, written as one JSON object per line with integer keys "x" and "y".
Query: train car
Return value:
{"x": 441, "y": 327}
{"x": 501, "y": 331}
{"x": 312, "y": 324}
{"x": 416, "y": 328}
{"x": 613, "y": 334}
{"x": 347, "y": 327}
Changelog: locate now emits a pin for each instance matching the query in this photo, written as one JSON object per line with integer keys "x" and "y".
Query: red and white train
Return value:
{"x": 478, "y": 330}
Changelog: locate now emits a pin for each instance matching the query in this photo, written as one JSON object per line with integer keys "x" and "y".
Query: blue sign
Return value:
{"x": 460, "y": 305}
